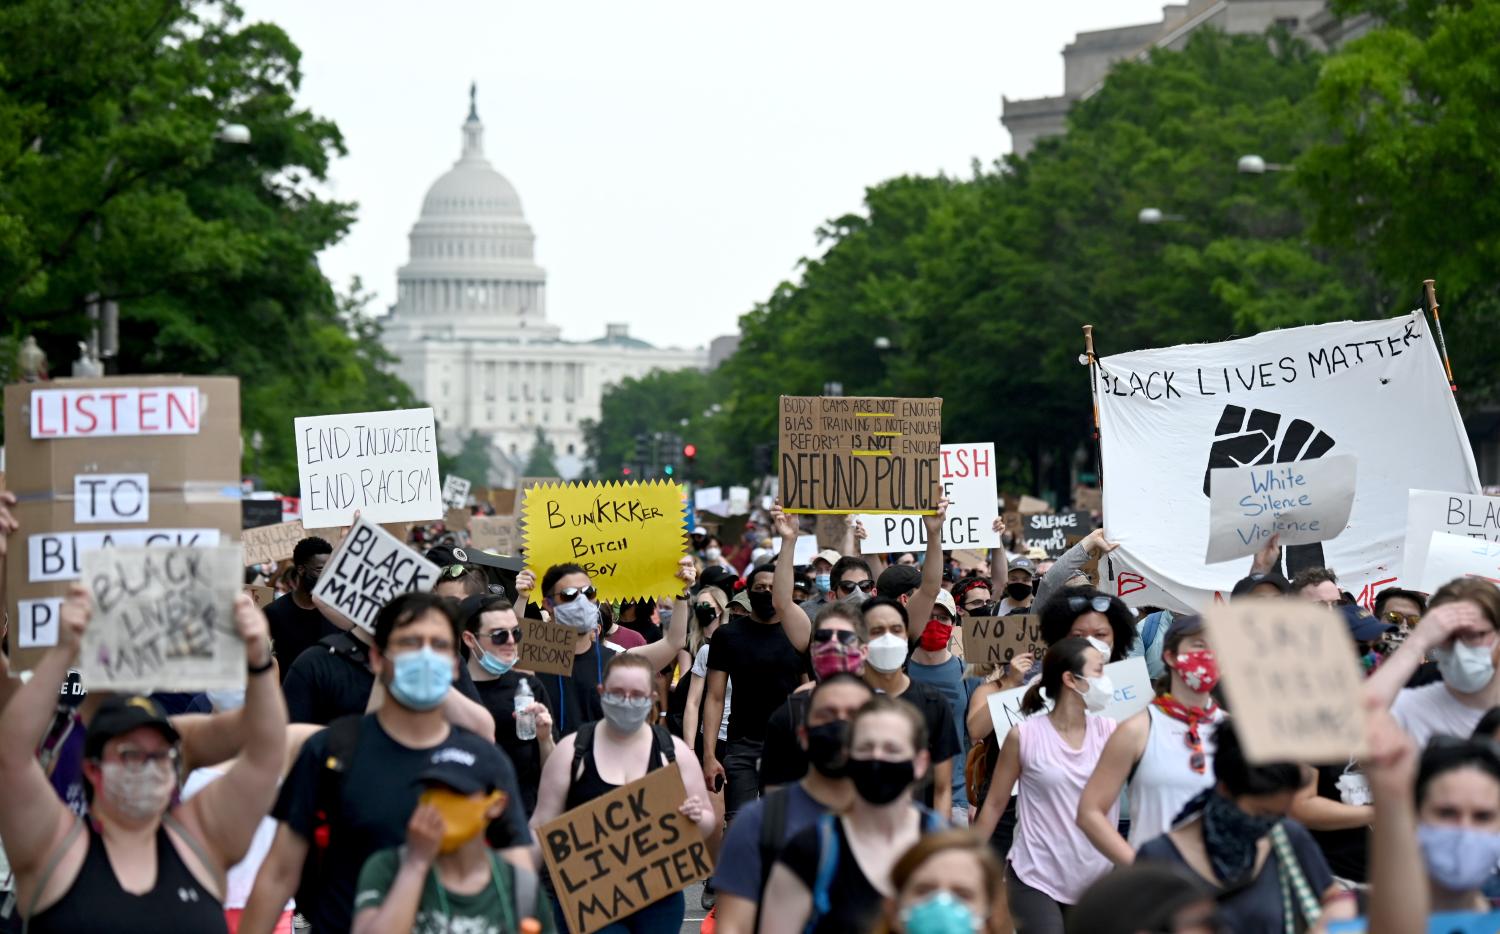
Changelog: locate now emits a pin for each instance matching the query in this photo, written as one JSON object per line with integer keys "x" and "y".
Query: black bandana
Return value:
{"x": 1229, "y": 835}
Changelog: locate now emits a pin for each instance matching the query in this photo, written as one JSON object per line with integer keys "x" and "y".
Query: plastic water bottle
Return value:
{"x": 525, "y": 719}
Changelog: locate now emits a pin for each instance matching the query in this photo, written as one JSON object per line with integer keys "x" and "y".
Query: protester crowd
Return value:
{"x": 836, "y": 751}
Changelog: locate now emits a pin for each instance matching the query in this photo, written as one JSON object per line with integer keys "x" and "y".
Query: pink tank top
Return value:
{"x": 1050, "y": 853}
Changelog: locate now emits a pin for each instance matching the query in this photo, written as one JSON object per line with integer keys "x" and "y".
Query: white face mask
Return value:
{"x": 711, "y": 554}
{"x": 139, "y": 794}
{"x": 1465, "y": 668}
{"x": 1100, "y": 691}
{"x": 887, "y": 653}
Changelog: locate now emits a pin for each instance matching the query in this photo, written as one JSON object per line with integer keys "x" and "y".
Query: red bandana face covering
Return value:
{"x": 935, "y": 636}
{"x": 1199, "y": 670}
{"x": 832, "y": 657}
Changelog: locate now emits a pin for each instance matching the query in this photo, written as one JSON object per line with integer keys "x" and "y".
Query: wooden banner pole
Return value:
{"x": 1429, "y": 294}
{"x": 1092, "y": 362}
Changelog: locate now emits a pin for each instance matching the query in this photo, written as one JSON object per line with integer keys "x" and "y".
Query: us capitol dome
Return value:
{"x": 470, "y": 333}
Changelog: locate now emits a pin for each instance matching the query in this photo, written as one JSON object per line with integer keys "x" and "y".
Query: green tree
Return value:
{"x": 474, "y": 460}
{"x": 678, "y": 402}
{"x": 115, "y": 182}
{"x": 541, "y": 463}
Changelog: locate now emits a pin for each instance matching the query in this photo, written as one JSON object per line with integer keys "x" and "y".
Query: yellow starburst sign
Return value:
{"x": 627, "y": 536}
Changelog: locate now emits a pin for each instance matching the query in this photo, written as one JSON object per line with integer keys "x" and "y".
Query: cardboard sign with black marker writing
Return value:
{"x": 996, "y": 639}
{"x": 495, "y": 533}
{"x": 546, "y": 648}
{"x": 369, "y": 568}
{"x": 268, "y": 544}
{"x": 617, "y": 854}
{"x": 1292, "y": 678}
{"x": 163, "y": 619}
{"x": 859, "y": 454}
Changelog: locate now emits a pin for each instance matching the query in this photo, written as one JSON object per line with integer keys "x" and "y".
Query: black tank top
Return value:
{"x": 95, "y": 902}
{"x": 588, "y": 784}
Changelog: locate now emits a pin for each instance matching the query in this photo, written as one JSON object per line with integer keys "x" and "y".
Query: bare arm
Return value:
{"x": 692, "y": 784}
{"x": 661, "y": 652}
{"x": 276, "y": 882}
{"x": 226, "y": 813}
{"x": 690, "y": 711}
{"x": 1007, "y": 771}
{"x": 942, "y": 787}
{"x": 999, "y": 566}
{"x": 919, "y": 605}
{"x": 1437, "y": 627}
{"x": 1399, "y": 898}
{"x": 552, "y": 790}
{"x": 713, "y": 712}
{"x": 1316, "y": 812}
{"x": 977, "y": 720}
{"x": 1121, "y": 752}
{"x": 787, "y": 904}
{"x": 794, "y": 619}
{"x": 734, "y": 915}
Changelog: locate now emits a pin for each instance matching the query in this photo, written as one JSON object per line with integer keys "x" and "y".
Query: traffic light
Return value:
{"x": 690, "y": 451}
{"x": 625, "y": 470}
{"x": 668, "y": 469}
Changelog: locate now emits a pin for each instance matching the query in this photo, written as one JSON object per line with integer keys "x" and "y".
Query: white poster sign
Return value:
{"x": 1303, "y": 502}
{"x": 1452, "y": 556}
{"x": 115, "y": 411}
{"x": 1170, "y": 416}
{"x": 455, "y": 492}
{"x": 710, "y": 499}
{"x": 1429, "y": 511}
{"x": 369, "y": 568}
{"x": 163, "y": 619}
{"x": 739, "y": 500}
{"x": 805, "y": 552}
{"x": 56, "y": 556}
{"x": 968, "y": 477}
{"x": 111, "y": 497}
{"x": 383, "y": 464}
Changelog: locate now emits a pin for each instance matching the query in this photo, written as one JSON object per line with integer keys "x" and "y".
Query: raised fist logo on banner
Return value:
{"x": 1247, "y": 437}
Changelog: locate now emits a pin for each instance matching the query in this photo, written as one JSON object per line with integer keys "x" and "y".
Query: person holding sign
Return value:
{"x": 1166, "y": 751}
{"x": 601, "y": 756}
{"x": 131, "y": 861}
{"x": 1052, "y": 861}
{"x": 445, "y": 877}
{"x": 296, "y": 622}
{"x": 1270, "y": 874}
{"x": 831, "y": 878}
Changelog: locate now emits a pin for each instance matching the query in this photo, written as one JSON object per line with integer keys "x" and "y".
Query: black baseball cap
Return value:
{"x": 898, "y": 580}
{"x": 465, "y": 763}
{"x": 720, "y": 577}
{"x": 121, "y": 713}
{"x": 1022, "y": 564}
{"x": 1247, "y": 584}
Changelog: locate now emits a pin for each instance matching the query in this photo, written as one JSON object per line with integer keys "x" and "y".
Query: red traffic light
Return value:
{"x": 625, "y": 471}
{"x": 690, "y": 450}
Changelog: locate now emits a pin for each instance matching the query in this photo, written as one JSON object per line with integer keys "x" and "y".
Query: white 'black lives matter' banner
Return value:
{"x": 1373, "y": 389}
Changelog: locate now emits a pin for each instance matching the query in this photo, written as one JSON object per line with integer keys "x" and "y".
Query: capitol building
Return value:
{"x": 470, "y": 333}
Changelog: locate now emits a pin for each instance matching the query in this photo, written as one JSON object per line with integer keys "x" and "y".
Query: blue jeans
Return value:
{"x": 659, "y": 917}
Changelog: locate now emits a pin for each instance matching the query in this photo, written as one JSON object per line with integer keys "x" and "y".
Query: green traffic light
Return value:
{"x": 667, "y": 470}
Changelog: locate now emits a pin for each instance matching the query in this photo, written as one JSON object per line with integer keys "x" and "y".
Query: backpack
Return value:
{"x": 328, "y": 797}
{"x": 828, "y": 859}
{"x": 979, "y": 765}
{"x": 583, "y": 741}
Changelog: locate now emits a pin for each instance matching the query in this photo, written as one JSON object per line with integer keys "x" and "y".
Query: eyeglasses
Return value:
{"x": 502, "y": 636}
{"x": 137, "y": 759}
{"x": 1078, "y": 603}
{"x": 1401, "y": 619}
{"x": 843, "y": 635}
{"x": 632, "y": 700}
{"x": 569, "y": 594}
{"x": 848, "y": 587}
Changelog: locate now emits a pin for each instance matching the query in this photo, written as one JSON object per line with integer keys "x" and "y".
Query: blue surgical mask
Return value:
{"x": 1459, "y": 859}
{"x": 421, "y": 679}
{"x": 580, "y": 613}
{"x": 940, "y": 913}
{"x": 494, "y": 664}
{"x": 823, "y": 582}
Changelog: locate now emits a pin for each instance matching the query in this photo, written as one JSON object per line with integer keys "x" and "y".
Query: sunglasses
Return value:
{"x": 850, "y": 586}
{"x": 1078, "y": 603}
{"x": 569, "y": 594}
{"x": 502, "y": 636}
{"x": 454, "y": 570}
{"x": 843, "y": 635}
{"x": 1197, "y": 760}
{"x": 1402, "y": 619}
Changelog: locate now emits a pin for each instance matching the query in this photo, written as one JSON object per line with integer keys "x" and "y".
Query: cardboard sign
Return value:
{"x": 175, "y": 439}
{"x": 968, "y": 478}
{"x": 526, "y": 483}
{"x": 1133, "y": 693}
{"x": 383, "y": 464}
{"x": 493, "y": 533}
{"x": 163, "y": 619}
{"x": 616, "y": 854}
{"x": 369, "y": 568}
{"x": 1429, "y": 511}
{"x": 455, "y": 492}
{"x": 261, "y": 594}
{"x": 547, "y": 648}
{"x": 1293, "y": 679}
{"x": 270, "y": 543}
{"x": 456, "y": 520}
{"x": 857, "y": 454}
{"x": 1454, "y": 556}
{"x": 1303, "y": 502}
{"x": 1055, "y": 532}
{"x": 628, "y": 537}
{"x": 1089, "y": 499}
{"x": 991, "y": 640}
{"x": 832, "y": 532}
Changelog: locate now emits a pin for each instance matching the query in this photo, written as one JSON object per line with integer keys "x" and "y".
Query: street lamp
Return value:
{"x": 1155, "y": 216}
{"x": 1252, "y": 164}
{"x": 882, "y": 343}
{"x": 235, "y": 133}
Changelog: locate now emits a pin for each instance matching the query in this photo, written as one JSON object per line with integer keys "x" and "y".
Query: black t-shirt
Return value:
{"x": 294, "y": 630}
{"x": 499, "y": 698}
{"x": 378, "y": 792}
{"x": 646, "y": 628}
{"x": 335, "y": 680}
{"x": 574, "y": 700}
{"x": 1346, "y": 850}
{"x": 764, "y": 667}
{"x": 782, "y": 758}
{"x": 854, "y": 904}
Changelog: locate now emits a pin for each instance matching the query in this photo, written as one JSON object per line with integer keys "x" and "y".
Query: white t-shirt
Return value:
{"x": 1432, "y": 710}
{"x": 700, "y": 668}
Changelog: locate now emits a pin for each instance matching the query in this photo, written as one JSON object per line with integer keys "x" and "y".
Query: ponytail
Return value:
{"x": 1064, "y": 657}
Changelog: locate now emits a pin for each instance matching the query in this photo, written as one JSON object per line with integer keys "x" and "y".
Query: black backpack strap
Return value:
{"x": 664, "y": 742}
{"x": 583, "y": 741}
{"x": 343, "y": 736}
{"x": 772, "y": 832}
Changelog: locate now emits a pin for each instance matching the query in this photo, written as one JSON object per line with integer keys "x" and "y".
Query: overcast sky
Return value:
{"x": 674, "y": 158}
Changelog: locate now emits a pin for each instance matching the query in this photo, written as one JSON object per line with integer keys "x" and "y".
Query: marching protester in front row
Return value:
{"x": 950, "y": 882}
{"x": 601, "y": 756}
{"x": 140, "y": 860}
{"x": 1051, "y": 861}
{"x": 1165, "y": 751}
{"x": 830, "y": 878}
{"x": 763, "y": 827}
{"x": 353, "y": 788}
